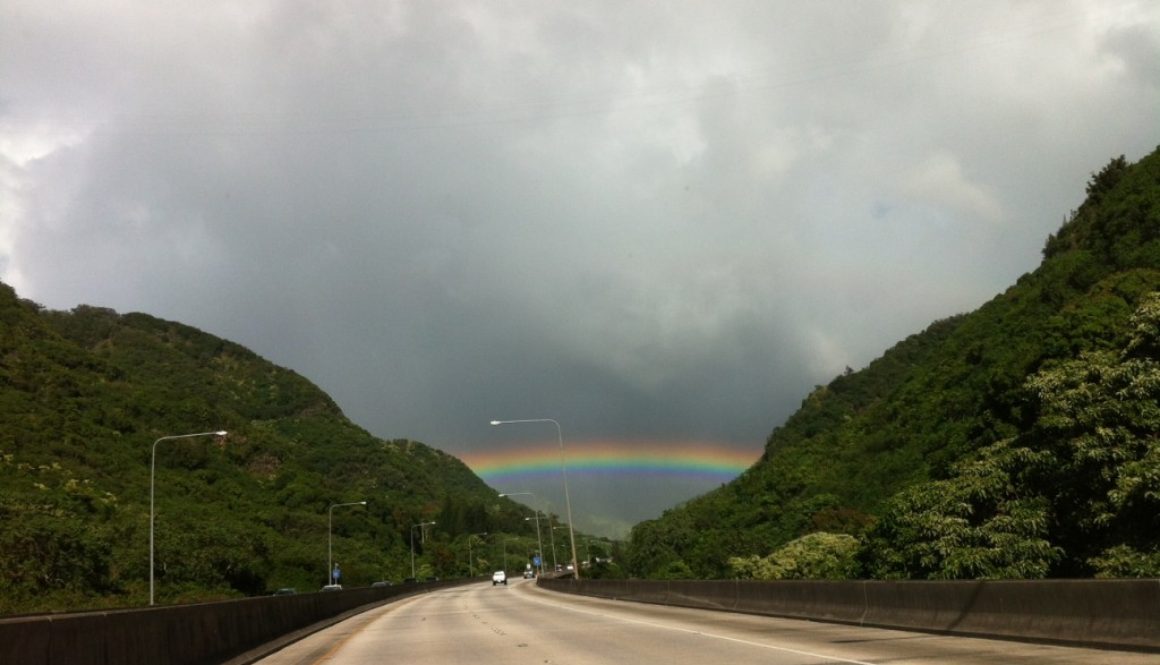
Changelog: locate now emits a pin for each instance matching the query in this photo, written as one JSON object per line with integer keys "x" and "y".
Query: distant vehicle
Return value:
{"x": 286, "y": 591}
{"x": 499, "y": 577}
{"x": 332, "y": 587}
{"x": 410, "y": 580}
{"x": 382, "y": 583}
{"x": 528, "y": 574}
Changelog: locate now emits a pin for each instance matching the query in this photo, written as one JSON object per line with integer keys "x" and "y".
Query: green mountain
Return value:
{"x": 1019, "y": 440}
{"x": 84, "y": 395}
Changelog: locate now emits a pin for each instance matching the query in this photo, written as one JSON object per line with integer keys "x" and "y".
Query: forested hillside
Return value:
{"x": 1020, "y": 440}
{"x": 83, "y": 396}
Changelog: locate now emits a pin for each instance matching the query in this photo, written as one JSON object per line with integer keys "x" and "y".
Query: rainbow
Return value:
{"x": 699, "y": 461}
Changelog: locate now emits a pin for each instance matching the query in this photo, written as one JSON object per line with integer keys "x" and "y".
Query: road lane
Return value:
{"x": 481, "y": 625}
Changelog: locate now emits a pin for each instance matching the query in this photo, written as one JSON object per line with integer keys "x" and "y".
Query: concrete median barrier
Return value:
{"x": 182, "y": 634}
{"x": 24, "y": 640}
{"x": 1104, "y": 613}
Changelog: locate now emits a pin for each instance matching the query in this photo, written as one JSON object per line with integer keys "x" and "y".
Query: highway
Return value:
{"x": 521, "y": 624}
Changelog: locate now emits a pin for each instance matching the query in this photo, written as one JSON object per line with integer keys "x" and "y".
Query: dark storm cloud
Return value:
{"x": 645, "y": 222}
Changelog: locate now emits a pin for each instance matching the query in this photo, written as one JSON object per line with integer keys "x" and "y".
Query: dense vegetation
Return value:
{"x": 1020, "y": 440}
{"x": 84, "y": 395}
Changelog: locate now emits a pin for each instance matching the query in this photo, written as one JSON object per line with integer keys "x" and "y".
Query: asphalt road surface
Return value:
{"x": 521, "y": 624}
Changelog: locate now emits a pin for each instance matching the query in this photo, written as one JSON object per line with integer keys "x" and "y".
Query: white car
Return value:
{"x": 499, "y": 577}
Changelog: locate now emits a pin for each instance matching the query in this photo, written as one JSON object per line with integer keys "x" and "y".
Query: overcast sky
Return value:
{"x": 647, "y": 220}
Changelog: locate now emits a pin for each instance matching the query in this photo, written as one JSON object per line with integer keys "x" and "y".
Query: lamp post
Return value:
{"x": 470, "y": 561}
{"x": 562, "y": 526}
{"x": 413, "y": 527}
{"x": 539, "y": 542}
{"x": 552, "y": 536}
{"x": 152, "y": 485}
{"x": 563, "y": 472}
{"x": 330, "y": 536}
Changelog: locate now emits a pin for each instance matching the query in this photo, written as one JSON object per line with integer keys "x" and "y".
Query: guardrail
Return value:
{"x": 181, "y": 634}
{"x": 1123, "y": 614}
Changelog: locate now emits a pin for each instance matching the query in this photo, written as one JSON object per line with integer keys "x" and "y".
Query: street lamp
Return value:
{"x": 588, "y": 550}
{"x": 552, "y": 535}
{"x": 152, "y": 484}
{"x": 330, "y": 536}
{"x": 539, "y": 542}
{"x": 561, "y": 526}
{"x": 563, "y": 472}
{"x": 470, "y": 561}
{"x": 413, "y": 527}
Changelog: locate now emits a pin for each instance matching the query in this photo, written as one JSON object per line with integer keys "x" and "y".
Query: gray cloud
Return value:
{"x": 643, "y": 221}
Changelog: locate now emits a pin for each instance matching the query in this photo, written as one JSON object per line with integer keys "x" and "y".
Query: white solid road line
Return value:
{"x": 691, "y": 631}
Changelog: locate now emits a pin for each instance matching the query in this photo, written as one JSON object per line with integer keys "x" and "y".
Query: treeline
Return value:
{"x": 84, "y": 395}
{"x": 1017, "y": 441}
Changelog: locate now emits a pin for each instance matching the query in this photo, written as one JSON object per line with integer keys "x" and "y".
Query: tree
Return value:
{"x": 817, "y": 556}
{"x": 1077, "y": 493}
{"x": 1099, "y": 416}
{"x": 980, "y": 523}
{"x": 1103, "y": 182}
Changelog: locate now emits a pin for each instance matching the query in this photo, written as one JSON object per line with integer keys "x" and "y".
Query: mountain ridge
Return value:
{"x": 917, "y": 413}
{"x": 84, "y": 395}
